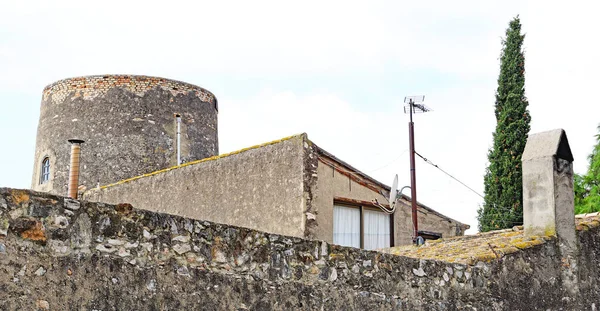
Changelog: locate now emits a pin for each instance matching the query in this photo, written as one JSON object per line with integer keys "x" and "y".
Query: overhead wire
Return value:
{"x": 388, "y": 164}
{"x": 448, "y": 174}
{"x": 504, "y": 218}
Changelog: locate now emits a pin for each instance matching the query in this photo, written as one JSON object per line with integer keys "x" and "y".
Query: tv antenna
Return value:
{"x": 414, "y": 105}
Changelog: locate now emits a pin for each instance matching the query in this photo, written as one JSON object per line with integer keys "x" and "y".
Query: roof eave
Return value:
{"x": 383, "y": 186}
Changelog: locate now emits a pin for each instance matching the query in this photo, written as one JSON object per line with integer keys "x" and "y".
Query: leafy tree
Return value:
{"x": 503, "y": 203}
{"x": 587, "y": 187}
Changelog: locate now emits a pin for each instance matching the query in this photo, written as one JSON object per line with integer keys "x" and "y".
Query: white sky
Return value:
{"x": 338, "y": 70}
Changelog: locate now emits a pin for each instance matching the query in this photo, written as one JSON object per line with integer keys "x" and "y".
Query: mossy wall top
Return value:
{"x": 128, "y": 124}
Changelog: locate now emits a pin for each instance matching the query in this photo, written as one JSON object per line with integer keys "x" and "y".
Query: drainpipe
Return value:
{"x": 74, "y": 171}
{"x": 178, "y": 138}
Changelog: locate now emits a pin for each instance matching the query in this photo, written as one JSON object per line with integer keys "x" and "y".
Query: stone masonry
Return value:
{"x": 128, "y": 124}
{"x": 59, "y": 254}
{"x": 92, "y": 86}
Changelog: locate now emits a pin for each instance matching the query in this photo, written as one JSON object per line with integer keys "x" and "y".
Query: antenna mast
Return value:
{"x": 413, "y": 106}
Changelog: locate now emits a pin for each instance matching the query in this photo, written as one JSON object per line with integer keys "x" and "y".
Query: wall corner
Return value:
{"x": 310, "y": 165}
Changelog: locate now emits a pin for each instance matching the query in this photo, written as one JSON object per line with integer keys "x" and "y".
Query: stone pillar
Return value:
{"x": 548, "y": 197}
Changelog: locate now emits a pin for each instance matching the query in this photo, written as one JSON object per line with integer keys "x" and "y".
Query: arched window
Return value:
{"x": 45, "y": 176}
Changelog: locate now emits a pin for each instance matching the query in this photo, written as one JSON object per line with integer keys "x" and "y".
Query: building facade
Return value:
{"x": 134, "y": 128}
{"x": 289, "y": 187}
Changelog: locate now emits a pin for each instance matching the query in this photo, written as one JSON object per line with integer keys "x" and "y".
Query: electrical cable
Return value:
{"x": 448, "y": 174}
{"x": 502, "y": 218}
{"x": 394, "y": 160}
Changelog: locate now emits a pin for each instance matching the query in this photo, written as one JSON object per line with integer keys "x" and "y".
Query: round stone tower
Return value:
{"x": 129, "y": 125}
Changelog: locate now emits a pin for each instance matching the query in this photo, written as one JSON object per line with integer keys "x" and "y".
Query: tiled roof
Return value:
{"x": 487, "y": 246}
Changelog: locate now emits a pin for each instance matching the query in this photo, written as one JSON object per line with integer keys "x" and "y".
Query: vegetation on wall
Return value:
{"x": 587, "y": 187}
{"x": 503, "y": 204}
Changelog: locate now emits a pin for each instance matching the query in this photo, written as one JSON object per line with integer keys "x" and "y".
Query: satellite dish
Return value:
{"x": 393, "y": 192}
{"x": 391, "y": 199}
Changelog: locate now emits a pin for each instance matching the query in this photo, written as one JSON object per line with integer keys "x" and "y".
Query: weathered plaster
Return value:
{"x": 565, "y": 205}
{"x": 259, "y": 188}
{"x": 331, "y": 184}
{"x": 548, "y": 194}
{"x": 223, "y": 189}
{"x": 548, "y": 197}
{"x": 538, "y": 196}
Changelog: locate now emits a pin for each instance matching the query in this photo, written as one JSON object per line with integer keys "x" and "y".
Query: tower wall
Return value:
{"x": 128, "y": 124}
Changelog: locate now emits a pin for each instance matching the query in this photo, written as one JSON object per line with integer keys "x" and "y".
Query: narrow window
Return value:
{"x": 45, "y": 176}
{"x": 376, "y": 228}
{"x": 346, "y": 226}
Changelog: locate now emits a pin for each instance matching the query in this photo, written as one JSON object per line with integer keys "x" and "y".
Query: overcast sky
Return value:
{"x": 337, "y": 70}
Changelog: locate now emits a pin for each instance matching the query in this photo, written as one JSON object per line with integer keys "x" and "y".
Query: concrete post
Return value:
{"x": 548, "y": 197}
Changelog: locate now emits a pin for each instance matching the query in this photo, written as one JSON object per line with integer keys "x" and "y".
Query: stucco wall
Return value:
{"x": 259, "y": 188}
{"x": 331, "y": 184}
{"x": 281, "y": 188}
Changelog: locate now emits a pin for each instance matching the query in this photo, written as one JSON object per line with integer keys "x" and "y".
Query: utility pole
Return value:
{"x": 412, "y": 103}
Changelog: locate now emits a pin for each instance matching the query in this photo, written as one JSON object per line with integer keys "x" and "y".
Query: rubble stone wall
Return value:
{"x": 62, "y": 254}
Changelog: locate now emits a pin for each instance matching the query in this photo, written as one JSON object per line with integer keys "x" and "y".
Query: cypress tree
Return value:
{"x": 503, "y": 203}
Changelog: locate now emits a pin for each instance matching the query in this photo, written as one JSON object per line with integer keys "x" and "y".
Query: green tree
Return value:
{"x": 503, "y": 203}
{"x": 587, "y": 187}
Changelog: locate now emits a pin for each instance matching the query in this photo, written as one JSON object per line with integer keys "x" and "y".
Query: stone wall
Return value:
{"x": 91, "y": 87}
{"x": 62, "y": 254}
{"x": 262, "y": 187}
{"x": 128, "y": 124}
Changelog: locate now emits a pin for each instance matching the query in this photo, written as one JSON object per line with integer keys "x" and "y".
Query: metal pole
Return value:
{"x": 74, "y": 169}
{"x": 178, "y": 140}
{"x": 413, "y": 175}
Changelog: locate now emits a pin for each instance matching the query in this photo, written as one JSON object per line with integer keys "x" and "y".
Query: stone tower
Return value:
{"x": 129, "y": 126}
